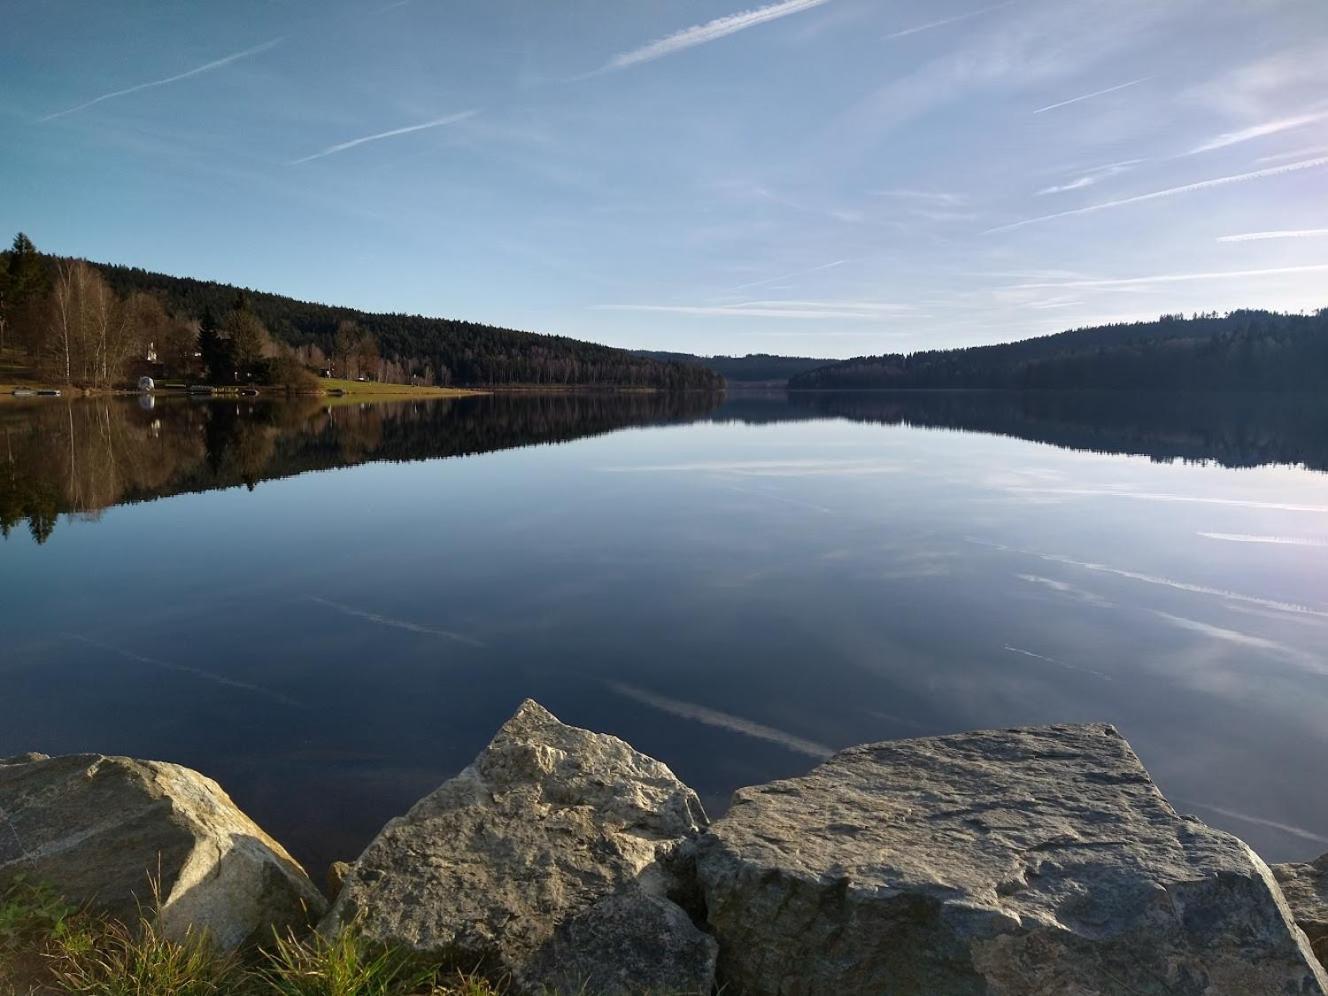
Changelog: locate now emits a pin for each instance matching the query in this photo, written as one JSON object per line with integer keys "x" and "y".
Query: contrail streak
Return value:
{"x": 1219, "y": 181}
{"x": 1052, "y": 660}
{"x": 1258, "y": 820}
{"x": 946, "y": 20}
{"x": 1090, "y": 96}
{"x": 700, "y": 34}
{"x": 724, "y": 721}
{"x": 343, "y": 146}
{"x": 382, "y": 620}
{"x": 197, "y": 71}
{"x": 1272, "y": 540}
{"x": 1298, "y": 233}
{"x": 219, "y": 679}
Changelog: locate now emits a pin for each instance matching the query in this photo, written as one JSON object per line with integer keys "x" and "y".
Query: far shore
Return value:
{"x": 330, "y": 388}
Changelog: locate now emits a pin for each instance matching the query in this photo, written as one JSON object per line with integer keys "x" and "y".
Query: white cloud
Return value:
{"x": 836, "y": 310}
{"x": 1090, "y": 96}
{"x": 1220, "y": 181}
{"x": 1258, "y": 131}
{"x": 1298, "y": 233}
{"x": 343, "y": 146}
{"x": 946, "y": 21}
{"x": 207, "y": 67}
{"x": 700, "y": 34}
{"x": 1092, "y": 177}
{"x": 1175, "y": 278}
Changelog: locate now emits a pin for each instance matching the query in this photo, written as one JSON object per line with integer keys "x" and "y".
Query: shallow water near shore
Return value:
{"x": 331, "y": 609}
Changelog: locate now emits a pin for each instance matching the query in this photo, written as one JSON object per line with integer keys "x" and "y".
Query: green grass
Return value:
{"x": 360, "y": 388}
{"x": 49, "y": 947}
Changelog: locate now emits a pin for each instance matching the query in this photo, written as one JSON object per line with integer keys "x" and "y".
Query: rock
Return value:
{"x": 1305, "y": 886}
{"x": 544, "y": 862}
{"x": 1008, "y": 863}
{"x": 335, "y": 878}
{"x": 98, "y": 829}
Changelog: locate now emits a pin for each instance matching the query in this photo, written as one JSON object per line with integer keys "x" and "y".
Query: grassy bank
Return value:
{"x": 49, "y": 947}
{"x": 369, "y": 389}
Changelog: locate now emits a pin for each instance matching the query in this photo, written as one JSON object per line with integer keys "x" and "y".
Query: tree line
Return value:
{"x": 1241, "y": 350}
{"x": 96, "y": 324}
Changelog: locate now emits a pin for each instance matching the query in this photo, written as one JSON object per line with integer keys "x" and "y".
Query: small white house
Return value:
{"x": 146, "y": 384}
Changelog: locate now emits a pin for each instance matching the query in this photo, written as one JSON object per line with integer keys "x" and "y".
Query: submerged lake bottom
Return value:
{"x": 329, "y": 607}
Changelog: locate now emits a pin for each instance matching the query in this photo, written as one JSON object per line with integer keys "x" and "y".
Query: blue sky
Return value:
{"x": 823, "y": 177}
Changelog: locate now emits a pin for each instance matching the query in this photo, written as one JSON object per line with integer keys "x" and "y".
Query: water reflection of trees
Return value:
{"x": 80, "y": 457}
{"x": 1231, "y": 429}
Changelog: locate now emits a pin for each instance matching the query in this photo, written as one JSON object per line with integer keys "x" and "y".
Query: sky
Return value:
{"x": 815, "y": 177}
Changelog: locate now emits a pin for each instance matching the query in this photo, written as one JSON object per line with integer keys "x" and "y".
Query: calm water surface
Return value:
{"x": 331, "y": 610}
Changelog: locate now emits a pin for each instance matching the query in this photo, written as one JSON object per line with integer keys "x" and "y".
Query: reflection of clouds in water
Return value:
{"x": 768, "y": 468}
{"x": 1271, "y": 540}
{"x": 1052, "y": 660}
{"x": 722, "y": 720}
{"x": 1197, "y": 589}
{"x": 1273, "y": 614}
{"x": 1081, "y": 594}
{"x": 891, "y": 717}
{"x": 1146, "y": 496}
{"x": 1240, "y": 639}
{"x": 782, "y": 499}
{"x": 1258, "y": 820}
{"x": 218, "y": 679}
{"x": 382, "y": 620}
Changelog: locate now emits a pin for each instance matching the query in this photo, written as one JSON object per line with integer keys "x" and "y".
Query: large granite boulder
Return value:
{"x": 100, "y": 829}
{"x": 546, "y": 862}
{"x": 1305, "y": 886}
{"x": 1008, "y": 863}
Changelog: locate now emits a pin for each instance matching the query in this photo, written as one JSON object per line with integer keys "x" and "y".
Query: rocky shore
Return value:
{"x": 1010, "y": 862}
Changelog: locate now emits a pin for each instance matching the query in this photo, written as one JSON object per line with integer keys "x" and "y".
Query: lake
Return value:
{"x": 329, "y": 607}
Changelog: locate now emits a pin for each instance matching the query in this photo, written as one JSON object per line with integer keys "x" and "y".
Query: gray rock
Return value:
{"x": 544, "y": 860}
{"x": 1305, "y": 886}
{"x": 1007, "y": 863}
{"x": 99, "y": 829}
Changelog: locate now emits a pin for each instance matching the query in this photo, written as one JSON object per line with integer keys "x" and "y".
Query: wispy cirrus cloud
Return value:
{"x": 343, "y": 146}
{"x": 1220, "y": 181}
{"x": 701, "y": 34}
{"x": 1177, "y": 278}
{"x": 1092, "y": 177}
{"x": 207, "y": 67}
{"x": 1258, "y": 131}
{"x": 924, "y": 196}
{"x": 1089, "y": 96}
{"x": 833, "y": 264}
{"x": 838, "y": 310}
{"x": 944, "y": 21}
{"x": 1294, "y": 233}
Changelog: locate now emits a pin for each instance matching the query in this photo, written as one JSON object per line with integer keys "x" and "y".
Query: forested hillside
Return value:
{"x": 1243, "y": 350}
{"x": 752, "y": 368}
{"x": 96, "y": 323}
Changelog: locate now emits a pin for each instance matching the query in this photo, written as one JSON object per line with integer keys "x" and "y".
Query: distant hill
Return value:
{"x": 1243, "y": 350}
{"x": 754, "y": 368}
{"x": 458, "y": 352}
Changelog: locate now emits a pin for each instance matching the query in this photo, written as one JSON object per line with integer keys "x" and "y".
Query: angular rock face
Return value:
{"x": 545, "y": 861}
{"x": 96, "y": 828}
{"x": 1306, "y": 889}
{"x": 1005, "y": 863}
